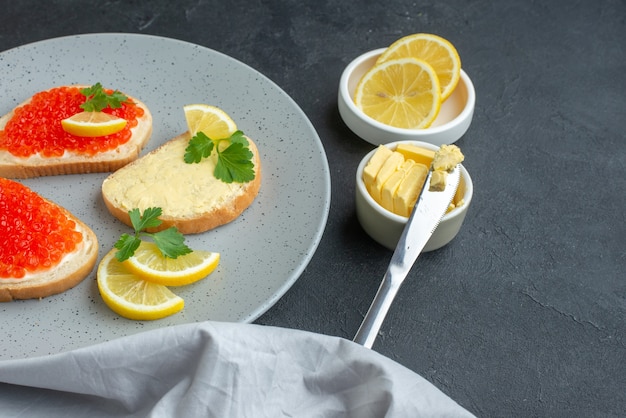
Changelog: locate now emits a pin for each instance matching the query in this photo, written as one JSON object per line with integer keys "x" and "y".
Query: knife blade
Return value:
{"x": 425, "y": 216}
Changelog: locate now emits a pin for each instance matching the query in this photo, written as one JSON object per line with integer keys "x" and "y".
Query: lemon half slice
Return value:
{"x": 210, "y": 120}
{"x": 149, "y": 264}
{"x": 92, "y": 124}
{"x": 131, "y": 297}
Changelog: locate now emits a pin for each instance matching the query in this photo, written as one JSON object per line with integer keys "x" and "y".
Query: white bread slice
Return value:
{"x": 71, "y": 270}
{"x": 191, "y": 198}
{"x": 12, "y": 166}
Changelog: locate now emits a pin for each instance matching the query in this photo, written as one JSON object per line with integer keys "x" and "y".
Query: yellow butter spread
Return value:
{"x": 189, "y": 189}
{"x": 438, "y": 181}
{"x": 446, "y": 158}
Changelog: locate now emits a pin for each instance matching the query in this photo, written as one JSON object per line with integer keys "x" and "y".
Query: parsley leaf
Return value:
{"x": 149, "y": 219}
{"x": 98, "y": 99}
{"x": 234, "y": 162}
{"x": 127, "y": 244}
{"x": 200, "y": 146}
{"x": 170, "y": 242}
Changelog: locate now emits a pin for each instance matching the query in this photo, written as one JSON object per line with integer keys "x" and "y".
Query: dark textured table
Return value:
{"x": 524, "y": 313}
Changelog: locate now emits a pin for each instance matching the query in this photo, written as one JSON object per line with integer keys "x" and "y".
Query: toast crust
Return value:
{"x": 71, "y": 270}
{"x": 200, "y": 220}
{"x": 74, "y": 163}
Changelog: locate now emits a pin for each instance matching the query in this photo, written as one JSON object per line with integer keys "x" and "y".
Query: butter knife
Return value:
{"x": 426, "y": 215}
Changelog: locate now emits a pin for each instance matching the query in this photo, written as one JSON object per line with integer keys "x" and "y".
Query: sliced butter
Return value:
{"x": 390, "y": 165}
{"x": 391, "y": 185}
{"x": 409, "y": 190}
{"x": 374, "y": 164}
{"x": 418, "y": 154}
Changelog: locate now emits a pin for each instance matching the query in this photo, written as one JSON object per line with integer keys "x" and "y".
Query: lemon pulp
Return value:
{"x": 149, "y": 264}
{"x": 210, "y": 120}
{"x": 93, "y": 124}
{"x": 403, "y": 93}
{"x": 131, "y": 297}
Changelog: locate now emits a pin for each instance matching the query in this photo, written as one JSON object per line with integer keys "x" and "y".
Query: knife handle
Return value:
{"x": 366, "y": 335}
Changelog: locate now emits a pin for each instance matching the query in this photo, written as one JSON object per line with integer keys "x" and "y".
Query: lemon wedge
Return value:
{"x": 210, "y": 120}
{"x": 149, "y": 264}
{"x": 92, "y": 124}
{"x": 403, "y": 93}
{"x": 438, "y": 52}
{"x": 131, "y": 297}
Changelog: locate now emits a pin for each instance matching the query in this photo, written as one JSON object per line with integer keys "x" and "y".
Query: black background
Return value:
{"x": 524, "y": 313}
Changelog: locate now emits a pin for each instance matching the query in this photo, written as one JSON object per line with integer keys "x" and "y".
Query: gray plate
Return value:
{"x": 263, "y": 252}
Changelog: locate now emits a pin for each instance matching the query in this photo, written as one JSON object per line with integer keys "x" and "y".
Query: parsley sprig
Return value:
{"x": 170, "y": 242}
{"x": 98, "y": 99}
{"x": 234, "y": 162}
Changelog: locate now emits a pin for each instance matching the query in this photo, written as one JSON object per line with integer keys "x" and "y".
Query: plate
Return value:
{"x": 263, "y": 252}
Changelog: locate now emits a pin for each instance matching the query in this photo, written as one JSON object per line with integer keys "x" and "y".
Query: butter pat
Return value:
{"x": 389, "y": 167}
{"x": 409, "y": 190}
{"x": 417, "y": 154}
{"x": 374, "y": 164}
{"x": 393, "y": 182}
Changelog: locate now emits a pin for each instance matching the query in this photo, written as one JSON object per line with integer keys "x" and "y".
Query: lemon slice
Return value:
{"x": 403, "y": 93}
{"x": 149, "y": 264}
{"x": 210, "y": 120}
{"x": 436, "y": 51}
{"x": 92, "y": 124}
{"x": 132, "y": 297}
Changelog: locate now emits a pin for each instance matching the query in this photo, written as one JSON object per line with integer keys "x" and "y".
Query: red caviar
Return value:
{"x": 36, "y": 126}
{"x": 34, "y": 233}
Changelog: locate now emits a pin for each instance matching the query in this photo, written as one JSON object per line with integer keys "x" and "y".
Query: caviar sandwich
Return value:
{"x": 44, "y": 249}
{"x": 71, "y": 130}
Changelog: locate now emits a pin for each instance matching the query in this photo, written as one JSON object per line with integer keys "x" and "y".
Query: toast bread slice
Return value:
{"x": 191, "y": 198}
{"x": 73, "y": 268}
{"x": 17, "y": 167}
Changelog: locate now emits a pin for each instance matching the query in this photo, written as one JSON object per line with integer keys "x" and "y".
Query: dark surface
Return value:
{"x": 524, "y": 313}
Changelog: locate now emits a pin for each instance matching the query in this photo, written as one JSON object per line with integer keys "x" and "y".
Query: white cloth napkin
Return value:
{"x": 214, "y": 369}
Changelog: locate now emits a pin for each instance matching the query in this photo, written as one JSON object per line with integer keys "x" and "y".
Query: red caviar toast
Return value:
{"x": 33, "y": 142}
{"x": 44, "y": 249}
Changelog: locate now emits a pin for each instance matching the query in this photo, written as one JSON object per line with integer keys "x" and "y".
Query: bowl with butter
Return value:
{"x": 452, "y": 121}
{"x": 389, "y": 180}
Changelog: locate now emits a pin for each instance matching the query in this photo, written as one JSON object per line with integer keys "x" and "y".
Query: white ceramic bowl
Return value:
{"x": 385, "y": 227}
{"x": 452, "y": 122}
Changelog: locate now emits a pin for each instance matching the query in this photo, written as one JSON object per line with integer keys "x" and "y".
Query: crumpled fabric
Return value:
{"x": 214, "y": 369}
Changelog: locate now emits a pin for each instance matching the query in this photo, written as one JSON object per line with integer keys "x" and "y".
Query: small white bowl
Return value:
{"x": 451, "y": 124}
{"x": 385, "y": 227}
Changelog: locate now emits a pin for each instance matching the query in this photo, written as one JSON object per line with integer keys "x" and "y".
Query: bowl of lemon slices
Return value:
{"x": 415, "y": 89}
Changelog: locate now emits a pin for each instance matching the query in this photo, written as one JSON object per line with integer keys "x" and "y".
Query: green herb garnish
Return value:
{"x": 234, "y": 162}
{"x": 98, "y": 99}
{"x": 170, "y": 242}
